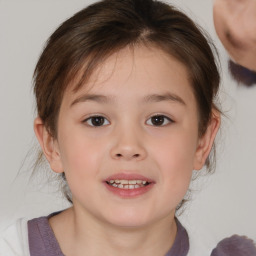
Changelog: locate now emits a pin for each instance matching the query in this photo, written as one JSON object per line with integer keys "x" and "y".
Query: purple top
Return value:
{"x": 42, "y": 240}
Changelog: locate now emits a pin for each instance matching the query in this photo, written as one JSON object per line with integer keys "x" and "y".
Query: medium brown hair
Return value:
{"x": 89, "y": 37}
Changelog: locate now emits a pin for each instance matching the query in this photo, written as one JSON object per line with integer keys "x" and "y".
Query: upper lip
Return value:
{"x": 128, "y": 176}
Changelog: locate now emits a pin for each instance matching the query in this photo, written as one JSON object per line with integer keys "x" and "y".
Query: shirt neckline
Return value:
{"x": 42, "y": 240}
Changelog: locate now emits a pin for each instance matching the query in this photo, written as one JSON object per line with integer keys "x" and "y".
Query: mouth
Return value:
{"x": 128, "y": 184}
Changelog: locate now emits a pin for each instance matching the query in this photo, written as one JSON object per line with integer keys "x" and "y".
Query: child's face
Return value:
{"x": 146, "y": 129}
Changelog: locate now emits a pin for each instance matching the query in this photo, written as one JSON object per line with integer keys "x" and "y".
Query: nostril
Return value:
{"x": 133, "y": 156}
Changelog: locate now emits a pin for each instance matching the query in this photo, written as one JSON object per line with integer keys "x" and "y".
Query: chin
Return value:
{"x": 129, "y": 219}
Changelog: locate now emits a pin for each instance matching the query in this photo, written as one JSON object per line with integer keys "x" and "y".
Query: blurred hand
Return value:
{"x": 235, "y": 24}
{"x": 235, "y": 246}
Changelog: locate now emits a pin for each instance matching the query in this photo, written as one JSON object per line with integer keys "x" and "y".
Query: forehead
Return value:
{"x": 134, "y": 72}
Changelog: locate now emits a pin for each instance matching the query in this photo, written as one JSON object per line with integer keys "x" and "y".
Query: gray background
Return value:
{"x": 223, "y": 203}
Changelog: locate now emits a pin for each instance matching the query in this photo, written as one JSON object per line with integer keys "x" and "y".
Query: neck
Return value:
{"x": 89, "y": 236}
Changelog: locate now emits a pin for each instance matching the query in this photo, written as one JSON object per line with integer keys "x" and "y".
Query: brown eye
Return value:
{"x": 159, "y": 120}
{"x": 96, "y": 121}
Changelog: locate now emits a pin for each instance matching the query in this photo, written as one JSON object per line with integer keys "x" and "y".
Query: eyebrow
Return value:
{"x": 164, "y": 97}
{"x": 147, "y": 99}
{"x": 93, "y": 97}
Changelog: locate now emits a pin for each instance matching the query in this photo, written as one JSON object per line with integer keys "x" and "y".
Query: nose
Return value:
{"x": 128, "y": 146}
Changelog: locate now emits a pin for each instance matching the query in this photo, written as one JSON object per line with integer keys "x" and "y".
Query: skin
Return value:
{"x": 235, "y": 24}
{"x": 100, "y": 222}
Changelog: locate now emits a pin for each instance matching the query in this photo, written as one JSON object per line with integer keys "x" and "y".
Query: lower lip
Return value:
{"x": 129, "y": 193}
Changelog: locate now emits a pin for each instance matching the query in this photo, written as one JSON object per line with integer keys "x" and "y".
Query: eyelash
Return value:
{"x": 166, "y": 120}
{"x": 90, "y": 119}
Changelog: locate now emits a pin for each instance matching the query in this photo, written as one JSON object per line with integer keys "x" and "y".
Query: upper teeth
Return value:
{"x": 127, "y": 182}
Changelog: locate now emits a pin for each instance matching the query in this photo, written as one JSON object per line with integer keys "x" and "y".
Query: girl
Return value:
{"x": 125, "y": 93}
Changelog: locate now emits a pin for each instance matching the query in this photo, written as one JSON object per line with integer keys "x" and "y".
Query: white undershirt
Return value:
{"x": 14, "y": 240}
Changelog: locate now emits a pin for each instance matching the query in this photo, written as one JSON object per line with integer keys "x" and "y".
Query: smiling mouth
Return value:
{"x": 128, "y": 184}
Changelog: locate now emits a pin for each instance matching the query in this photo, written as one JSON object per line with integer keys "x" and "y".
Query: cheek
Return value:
{"x": 176, "y": 160}
{"x": 177, "y": 172}
{"x": 176, "y": 153}
{"x": 176, "y": 178}
{"x": 82, "y": 167}
{"x": 80, "y": 156}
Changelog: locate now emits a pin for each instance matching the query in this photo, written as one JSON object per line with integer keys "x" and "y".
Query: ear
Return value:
{"x": 205, "y": 143}
{"x": 49, "y": 146}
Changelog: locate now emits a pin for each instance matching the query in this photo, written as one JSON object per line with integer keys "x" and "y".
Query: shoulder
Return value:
{"x": 42, "y": 240}
{"x": 14, "y": 239}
